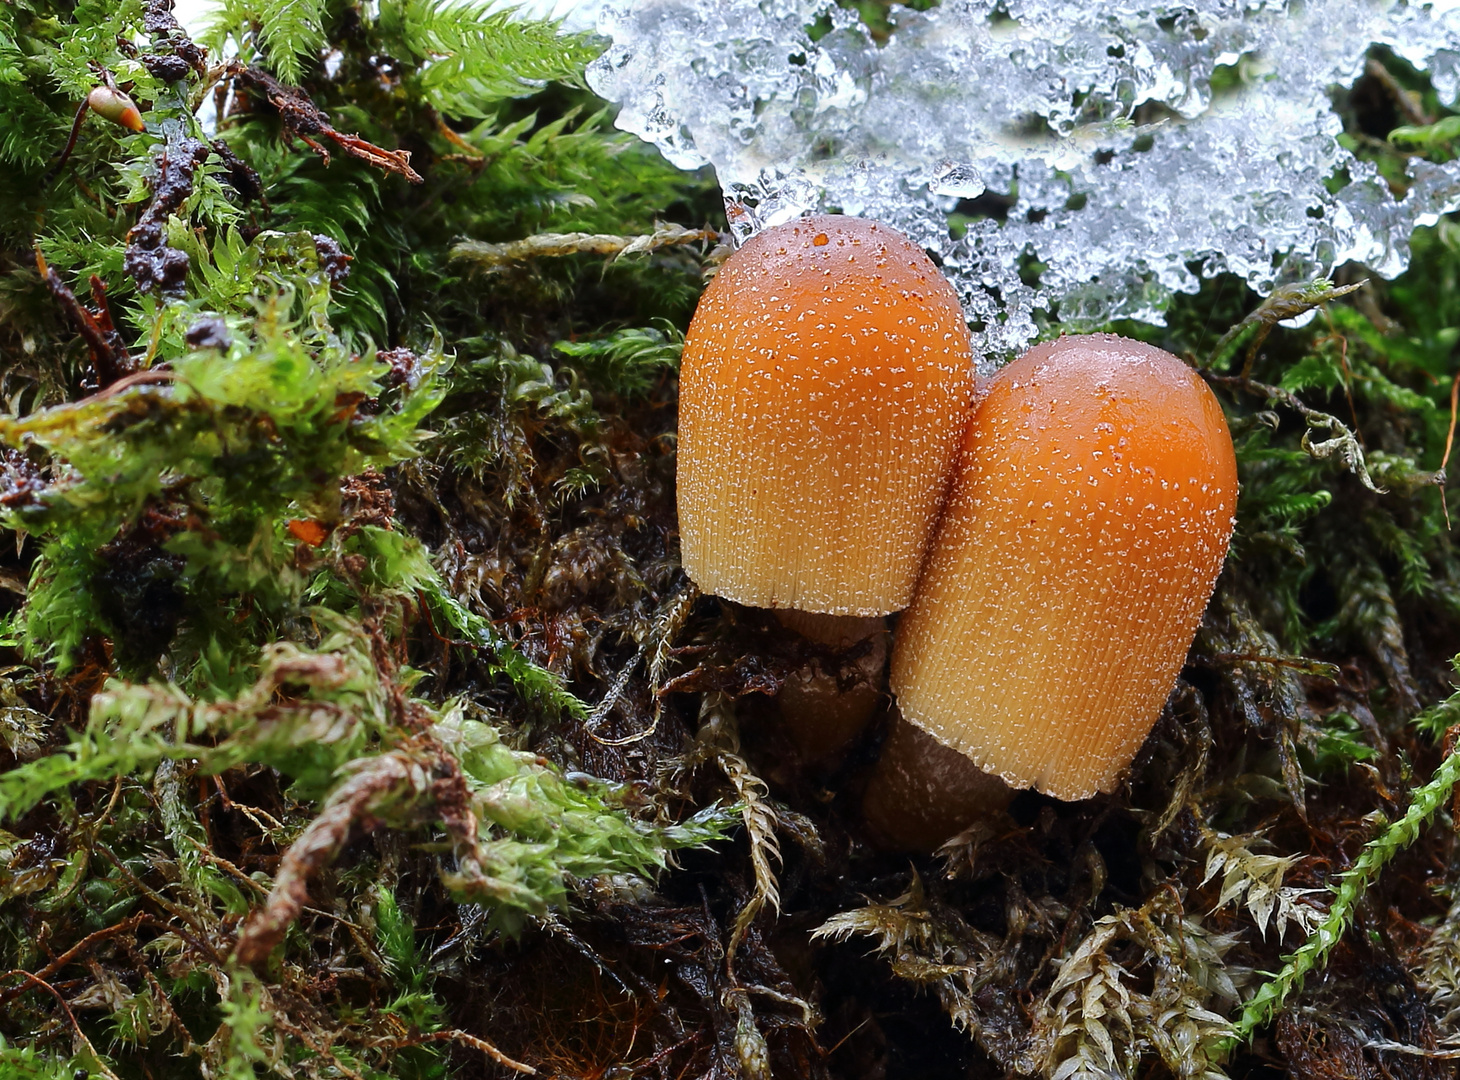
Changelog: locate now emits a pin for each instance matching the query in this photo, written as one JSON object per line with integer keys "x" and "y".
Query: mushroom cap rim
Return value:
{"x": 738, "y": 596}
{"x": 1014, "y": 780}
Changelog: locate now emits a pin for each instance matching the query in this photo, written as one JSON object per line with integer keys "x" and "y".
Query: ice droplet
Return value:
{"x": 956, "y": 179}
{"x": 1130, "y": 178}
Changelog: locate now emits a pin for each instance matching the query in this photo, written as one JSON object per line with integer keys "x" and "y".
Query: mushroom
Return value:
{"x": 1079, "y": 549}
{"x": 824, "y": 388}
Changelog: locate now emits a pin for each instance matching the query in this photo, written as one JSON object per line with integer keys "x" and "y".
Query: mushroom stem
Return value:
{"x": 825, "y": 705}
{"x": 922, "y": 792}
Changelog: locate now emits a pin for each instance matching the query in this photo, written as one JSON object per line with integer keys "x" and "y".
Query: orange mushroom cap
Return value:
{"x": 824, "y": 389}
{"x": 1081, "y": 544}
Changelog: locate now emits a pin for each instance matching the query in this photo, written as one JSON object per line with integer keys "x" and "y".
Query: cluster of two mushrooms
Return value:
{"x": 1054, "y": 541}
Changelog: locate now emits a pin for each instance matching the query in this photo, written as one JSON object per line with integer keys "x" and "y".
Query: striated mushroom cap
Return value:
{"x": 824, "y": 390}
{"x": 1081, "y": 544}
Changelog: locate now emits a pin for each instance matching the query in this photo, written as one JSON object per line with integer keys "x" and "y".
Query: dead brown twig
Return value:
{"x": 126, "y": 926}
{"x": 493, "y": 256}
{"x": 418, "y": 777}
{"x": 36, "y": 980}
{"x": 110, "y": 360}
{"x": 459, "y": 1036}
{"x": 304, "y": 119}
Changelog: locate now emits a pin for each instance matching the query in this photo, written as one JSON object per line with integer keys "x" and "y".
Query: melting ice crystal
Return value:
{"x": 1038, "y": 101}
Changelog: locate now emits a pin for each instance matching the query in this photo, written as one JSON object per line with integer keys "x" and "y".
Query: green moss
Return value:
{"x": 215, "y": 580}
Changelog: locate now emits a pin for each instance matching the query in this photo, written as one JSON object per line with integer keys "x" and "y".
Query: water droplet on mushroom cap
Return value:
{"x": 824, "y": 390}
{"x": 1081, "y": 544}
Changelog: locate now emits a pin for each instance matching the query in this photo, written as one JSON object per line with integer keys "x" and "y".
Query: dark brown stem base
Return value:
{"x": 922, "y": 792}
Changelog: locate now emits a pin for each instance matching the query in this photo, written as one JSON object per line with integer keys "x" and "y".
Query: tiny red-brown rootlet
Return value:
{"x": 1081, "y": 544}
{"x": 824, "y": 390}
